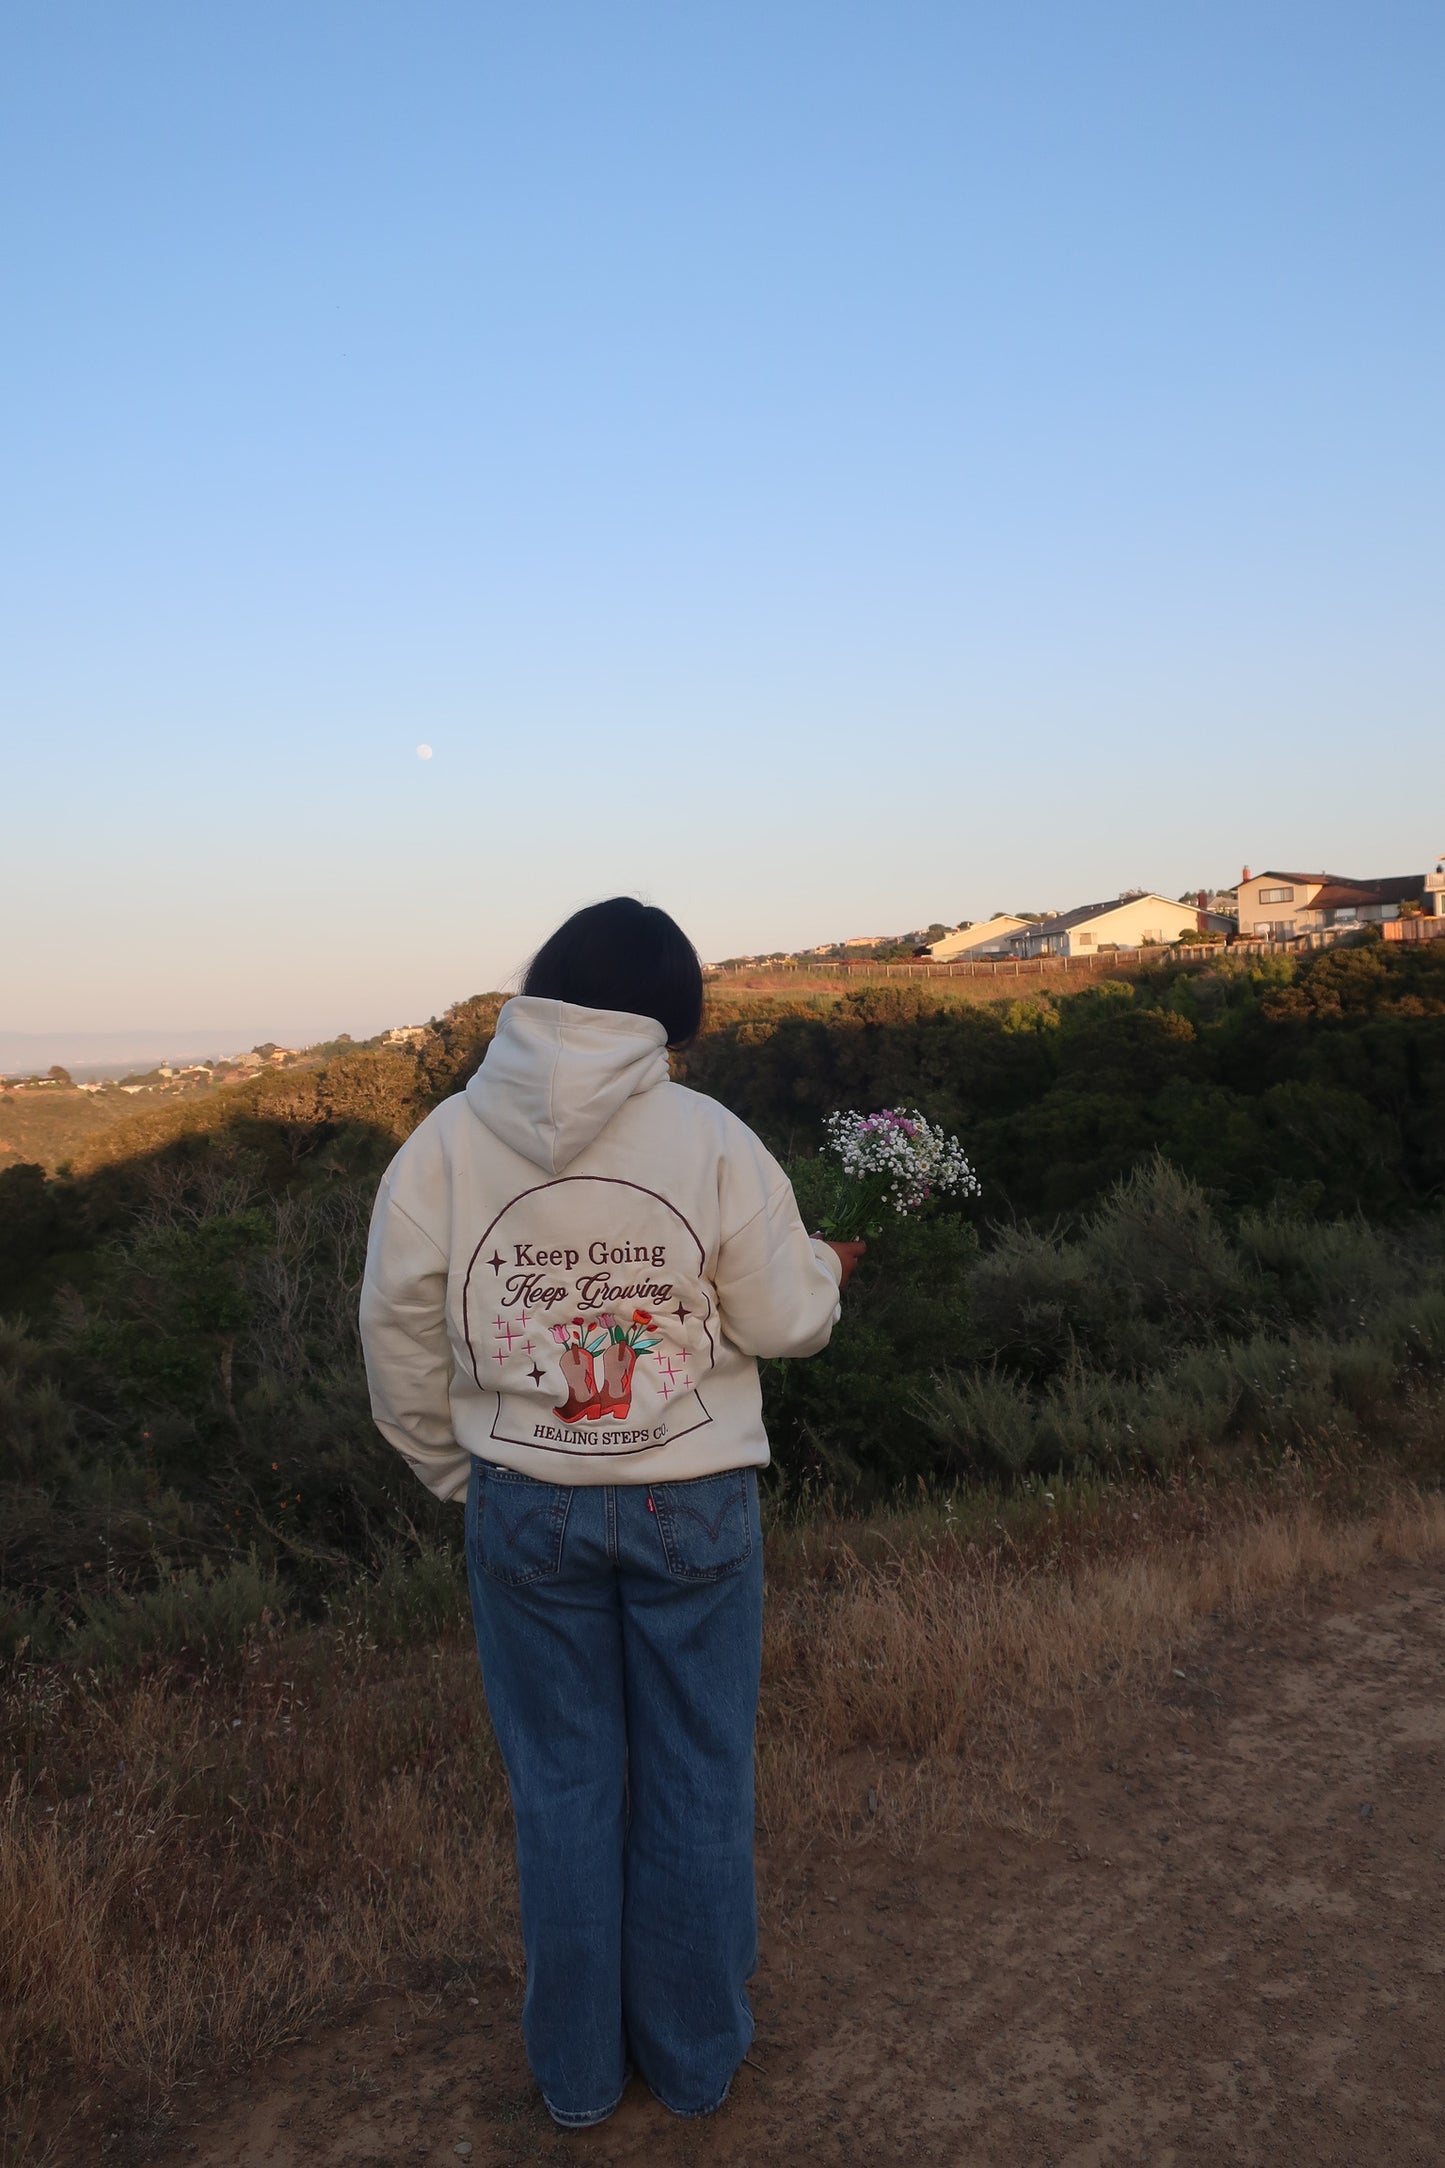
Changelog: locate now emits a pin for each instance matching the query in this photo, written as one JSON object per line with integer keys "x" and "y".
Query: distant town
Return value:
{"x": 166, "y": 1080}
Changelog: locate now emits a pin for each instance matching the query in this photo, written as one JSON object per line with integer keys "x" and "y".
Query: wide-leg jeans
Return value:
{"x": 620, "y": 1636}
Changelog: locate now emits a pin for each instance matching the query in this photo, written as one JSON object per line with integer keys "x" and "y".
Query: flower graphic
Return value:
{"x": 634, "y": 1333}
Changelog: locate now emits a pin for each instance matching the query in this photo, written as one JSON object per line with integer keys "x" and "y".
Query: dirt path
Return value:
{"x": 1231, "y": 1949}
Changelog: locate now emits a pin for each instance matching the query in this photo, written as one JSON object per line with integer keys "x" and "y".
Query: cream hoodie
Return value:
{"x": 575, "y": 1263}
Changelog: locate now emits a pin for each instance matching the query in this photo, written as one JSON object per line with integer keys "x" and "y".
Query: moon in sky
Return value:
{"x": 423, "y": 752}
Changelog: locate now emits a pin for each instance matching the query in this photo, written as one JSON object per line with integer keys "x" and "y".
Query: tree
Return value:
{"x": 58, "y": 1075}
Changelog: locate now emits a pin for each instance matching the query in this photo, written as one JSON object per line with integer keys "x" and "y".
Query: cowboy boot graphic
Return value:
{"x": 581, "y": 1382}
{"x": 618, "y": 1363}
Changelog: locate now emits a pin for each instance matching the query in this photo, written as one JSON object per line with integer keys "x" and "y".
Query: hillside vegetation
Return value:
{"x": 1209, "y": 1233}
{"x": 1313, "y": 1081}
{"x": 46, "y": 1126}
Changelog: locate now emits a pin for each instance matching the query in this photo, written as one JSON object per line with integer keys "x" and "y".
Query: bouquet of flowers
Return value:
{"x": 893, "y": 1160}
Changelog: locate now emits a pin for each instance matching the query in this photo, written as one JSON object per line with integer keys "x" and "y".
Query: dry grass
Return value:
{"x": 199, "y": 1866}
{"x": 981, "y": 982}
{"x": 934, "y": 1661}
{"x": 196, "y": 1866}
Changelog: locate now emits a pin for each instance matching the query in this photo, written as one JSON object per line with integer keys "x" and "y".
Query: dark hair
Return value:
{"x": 627, "y": 955}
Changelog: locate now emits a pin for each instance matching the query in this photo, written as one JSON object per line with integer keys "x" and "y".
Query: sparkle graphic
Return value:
{"x": 682, "y": 1315}
{"x": 536, "y": 1374}
{"x": 496, "y": 1261}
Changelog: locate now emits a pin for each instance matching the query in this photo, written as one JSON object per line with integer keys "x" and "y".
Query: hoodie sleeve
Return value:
{"x": 777, "y": 1289}
{"x": 404, "y": 1337}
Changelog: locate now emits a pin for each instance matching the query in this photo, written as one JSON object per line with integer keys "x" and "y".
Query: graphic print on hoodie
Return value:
{"x": 612, "y": 1325}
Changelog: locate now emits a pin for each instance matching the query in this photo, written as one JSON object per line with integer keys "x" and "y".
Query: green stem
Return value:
{"x": 857, "y": 1210}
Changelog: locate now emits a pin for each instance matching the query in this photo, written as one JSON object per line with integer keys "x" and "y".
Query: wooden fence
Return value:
{"x": 1414, "y": 929}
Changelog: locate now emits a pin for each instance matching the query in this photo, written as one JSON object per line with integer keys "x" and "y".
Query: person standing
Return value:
{"x": 573, "y": 1269}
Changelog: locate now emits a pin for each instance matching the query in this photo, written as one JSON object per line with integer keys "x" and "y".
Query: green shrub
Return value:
{"x": 203, "y": 1611}
{"x": 986, "y": 1424}
{"x": 418, "y": 1591}
{"x": 1416, "y": 1327}
{"x": 1152, "y": 1335}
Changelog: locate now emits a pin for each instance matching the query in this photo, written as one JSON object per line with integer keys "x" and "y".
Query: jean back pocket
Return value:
{"x": 515, "y": 1525}
{"x": 707, "y": 1525}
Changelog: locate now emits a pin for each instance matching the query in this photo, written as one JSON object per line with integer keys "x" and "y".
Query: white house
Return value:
{"x": 988, "y": 937}
{"x": 1145, "y": 921}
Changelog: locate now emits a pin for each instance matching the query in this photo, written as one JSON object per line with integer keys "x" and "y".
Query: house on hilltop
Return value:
{"x": 988, "y": 937}
{"x": 1139, "y": 921}
{"x": 1276, "y": 906}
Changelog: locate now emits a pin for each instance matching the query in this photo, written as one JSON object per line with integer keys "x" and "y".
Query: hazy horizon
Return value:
{"x": 205, "y": 1042}
{"x": 811, "y": 467}
{"x": 86, "y": 1051}
{"x": 82, "y": 1049}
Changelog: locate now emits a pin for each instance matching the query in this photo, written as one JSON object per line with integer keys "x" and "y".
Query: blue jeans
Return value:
{"x": 620, "y": 1636}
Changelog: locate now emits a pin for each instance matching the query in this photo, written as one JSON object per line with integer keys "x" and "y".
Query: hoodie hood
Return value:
{"x": 554, "y": 1075}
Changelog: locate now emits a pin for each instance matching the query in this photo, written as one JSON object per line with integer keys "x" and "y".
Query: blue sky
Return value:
{"x": 823, "y": 467}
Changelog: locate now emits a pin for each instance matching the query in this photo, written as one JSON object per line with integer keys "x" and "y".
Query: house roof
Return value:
{"x": 1395, "y": 888}
{"x": 1339, "y": 880}
{"x": 981, "y": 934}
{"x": 1087, "y": 911}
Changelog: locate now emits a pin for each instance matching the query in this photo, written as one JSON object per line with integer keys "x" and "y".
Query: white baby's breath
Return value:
{"x": 899, "y": 1160}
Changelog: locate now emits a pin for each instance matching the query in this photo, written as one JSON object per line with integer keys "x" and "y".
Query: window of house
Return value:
{"x": 1276, "y": 895}
{"x": 1085, "y": 940}
{"x": 1346, "y": 915}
